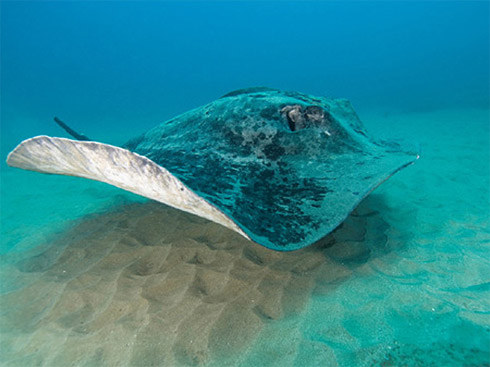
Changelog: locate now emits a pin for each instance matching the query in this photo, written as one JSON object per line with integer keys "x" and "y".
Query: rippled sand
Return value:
{"x": 147, "y": 285}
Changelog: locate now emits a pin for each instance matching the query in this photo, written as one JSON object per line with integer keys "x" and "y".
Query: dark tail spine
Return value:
{"x": 70, "y": 131}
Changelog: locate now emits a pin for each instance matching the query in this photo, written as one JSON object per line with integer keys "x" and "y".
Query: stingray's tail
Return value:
{"x": 70, "y": 131}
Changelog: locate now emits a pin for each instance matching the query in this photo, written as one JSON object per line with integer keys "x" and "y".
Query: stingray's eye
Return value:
{"x": 299, "y": 117}
{"x": 314, "y": 114}
{"x": 295, "y": 116}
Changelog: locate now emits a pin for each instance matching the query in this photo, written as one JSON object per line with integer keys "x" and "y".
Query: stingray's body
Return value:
{"x": 283, "y": 169}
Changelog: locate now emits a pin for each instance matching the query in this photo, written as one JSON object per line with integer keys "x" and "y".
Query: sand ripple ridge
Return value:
{"x": 146, "y": 285}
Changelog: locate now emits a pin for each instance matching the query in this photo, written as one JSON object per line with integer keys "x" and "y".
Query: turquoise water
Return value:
{"x": 405, "y": 282}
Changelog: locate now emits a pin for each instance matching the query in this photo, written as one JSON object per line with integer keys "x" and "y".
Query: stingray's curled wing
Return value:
{"x": 116, "y": 166}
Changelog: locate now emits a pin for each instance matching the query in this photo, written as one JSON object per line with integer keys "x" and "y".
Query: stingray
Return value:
{"x": 283, "y": 169}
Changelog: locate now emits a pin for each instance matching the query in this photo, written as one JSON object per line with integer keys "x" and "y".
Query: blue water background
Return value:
{"x": 417, "y": 70}
{"x": 139, "y": 63}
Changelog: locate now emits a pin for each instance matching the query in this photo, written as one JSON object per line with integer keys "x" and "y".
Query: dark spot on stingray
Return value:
{"x": 266, "y": 174}
{"x": 270, "y": 112}
{"x": 274, "y": 151}
{"x": 235, "y": 138}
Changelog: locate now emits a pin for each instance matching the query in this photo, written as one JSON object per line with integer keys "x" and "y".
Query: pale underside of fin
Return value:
{"x": 116, "y": 166}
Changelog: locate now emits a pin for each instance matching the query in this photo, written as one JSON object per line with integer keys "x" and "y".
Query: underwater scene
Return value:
{"x": 244, "y": 183}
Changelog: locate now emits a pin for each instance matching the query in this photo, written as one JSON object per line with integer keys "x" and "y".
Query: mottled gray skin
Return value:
{"x": 287, "y": 167}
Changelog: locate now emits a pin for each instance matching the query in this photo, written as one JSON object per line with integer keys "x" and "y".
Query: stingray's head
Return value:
{"x": 296, "y": 111}
{"x": 290, "y": 122}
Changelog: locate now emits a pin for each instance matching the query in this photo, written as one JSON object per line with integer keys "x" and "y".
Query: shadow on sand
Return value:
{"x": 145, "y": 284}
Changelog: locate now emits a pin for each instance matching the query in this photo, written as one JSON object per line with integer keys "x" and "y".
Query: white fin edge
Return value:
{"x": 115, "y": 166}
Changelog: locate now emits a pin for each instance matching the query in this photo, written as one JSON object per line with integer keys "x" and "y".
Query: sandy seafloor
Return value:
{"x": 94, "y": 276}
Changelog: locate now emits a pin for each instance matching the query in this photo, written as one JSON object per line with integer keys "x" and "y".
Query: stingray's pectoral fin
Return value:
{"x": 115, "y": 166}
